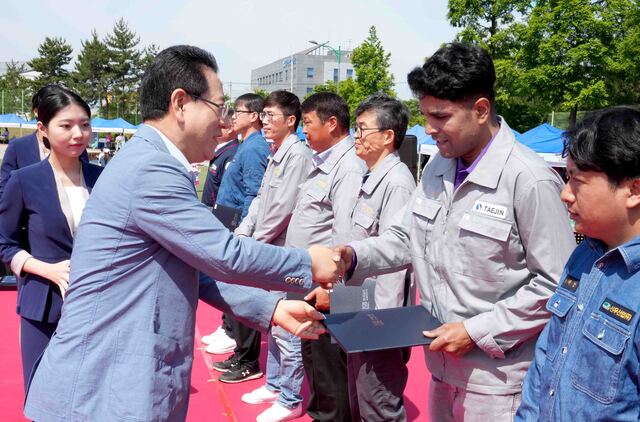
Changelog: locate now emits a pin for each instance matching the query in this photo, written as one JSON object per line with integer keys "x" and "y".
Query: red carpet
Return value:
{"x": 211, "y": 401}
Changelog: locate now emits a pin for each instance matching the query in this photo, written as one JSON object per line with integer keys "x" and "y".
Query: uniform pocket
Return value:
{"x": 559, "y": 305}
{"x": 601, "y": 348}
{"x": 482, "y": 246}
{"x": 424, "y": 215}
{"x": 144, "y": 381}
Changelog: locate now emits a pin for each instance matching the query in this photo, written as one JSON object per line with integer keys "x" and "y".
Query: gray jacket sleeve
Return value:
{"x": 279, "y": 206}
{"x": 248, "y": 223}
{"x": 548, "y": 240}
{"x": 387, "y": 252}
{"x": 344, "y": 194}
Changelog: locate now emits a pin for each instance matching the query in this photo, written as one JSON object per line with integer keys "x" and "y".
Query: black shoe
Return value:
{"x": 241, "y": 373}
{"x": 226, "y": 365}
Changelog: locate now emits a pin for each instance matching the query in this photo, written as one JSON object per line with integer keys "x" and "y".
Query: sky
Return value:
{"x": 241, "y": 34}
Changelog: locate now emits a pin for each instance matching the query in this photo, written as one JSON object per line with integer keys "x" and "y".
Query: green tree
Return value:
{"x": 261, "y": 92}
{"x": 414, "y": 108}
{"x": 15, "y": 90}
{"x": 91, "y": 73}
{"x": 565, "y": 52}
{"x": 487, "y": 22}
{"x": 125, "y": 69}
{"x": 371, "y": 65}
{"x": 55, "y": 54}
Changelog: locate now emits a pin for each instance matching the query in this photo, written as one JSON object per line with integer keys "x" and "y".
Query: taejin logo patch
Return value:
{"x": 571, "y": 283}
{"x": 617, "y": 311}
{"x": 493, "y": 210}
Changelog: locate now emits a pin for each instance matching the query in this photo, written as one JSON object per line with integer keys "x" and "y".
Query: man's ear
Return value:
{"x": 179, "y": 98}
{"x": 482, "y": 109}
{"x": 332, "y": 122}
{"x": 389, "y": 136}
{"x": 633, "y": 200}
{"x": 291, "y": 122}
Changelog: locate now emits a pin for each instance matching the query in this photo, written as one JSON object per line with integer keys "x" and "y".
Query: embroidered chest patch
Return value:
{"x": 617, "y": 311}
{"x": 571, "y": 284}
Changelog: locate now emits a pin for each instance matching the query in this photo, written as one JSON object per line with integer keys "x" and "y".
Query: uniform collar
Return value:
{"x": 489, "y": 169}
{"x": 379, "y": 172}
{"x": 331, "y": 156}
{"x": 290, "y": 141}
{"x": 630, "y": 253}
{"x": 225, "y": 147}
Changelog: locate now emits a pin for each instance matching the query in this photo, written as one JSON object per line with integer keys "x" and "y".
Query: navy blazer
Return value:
{"x": 217, "y": 166}
{"x": 21, "y": 152}
{"x": 31, "y": 201}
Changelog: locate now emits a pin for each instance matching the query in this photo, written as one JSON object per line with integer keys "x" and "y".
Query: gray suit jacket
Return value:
{"x": 124, "y": 346}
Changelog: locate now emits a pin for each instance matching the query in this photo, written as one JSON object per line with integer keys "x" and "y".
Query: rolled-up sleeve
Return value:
{"x": 548, "y": 241}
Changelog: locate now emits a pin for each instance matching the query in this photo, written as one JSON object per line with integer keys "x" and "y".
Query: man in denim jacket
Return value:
{"x": 587, "y": 358}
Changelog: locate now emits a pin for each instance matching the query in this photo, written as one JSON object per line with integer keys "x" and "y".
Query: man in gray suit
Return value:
{"x": 123, "y": 349}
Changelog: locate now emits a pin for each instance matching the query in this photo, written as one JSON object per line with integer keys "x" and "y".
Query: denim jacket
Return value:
{"x": 243, "y": 177}
{"x": 586, "y": 365}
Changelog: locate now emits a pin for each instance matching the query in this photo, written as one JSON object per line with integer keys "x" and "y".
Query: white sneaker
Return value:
{"x": 278, "y": 413}
{"x": 222, "y": 344}
{"x": 211, "y": 338}
{"x": 259, "y": 396}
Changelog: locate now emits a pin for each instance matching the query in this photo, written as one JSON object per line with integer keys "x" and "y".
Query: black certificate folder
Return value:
{"x": 381, "y": 329}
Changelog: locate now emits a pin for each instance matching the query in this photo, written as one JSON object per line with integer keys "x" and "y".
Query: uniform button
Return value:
{"x": 552, "y": 392}
{"x": 600, "y": 265}
{"x": 600, "y": 335}
{"x": 556, "y": 304}
{"x": 580, "y": 307}
{"x": 564, "y": 350}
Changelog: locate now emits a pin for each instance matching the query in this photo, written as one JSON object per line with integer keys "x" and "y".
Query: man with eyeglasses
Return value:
{"x": 377, "y": 379}
{"x": 123, "y": 349}
{"x": 240, "y": 185}
{"x": 323, "y": 216}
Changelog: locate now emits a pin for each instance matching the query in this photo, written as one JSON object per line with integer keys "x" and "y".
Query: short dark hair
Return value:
{"x": 54, "y": 100}
{"x": 37, "y": 97}
{"x": 180, "y": 66}
{"x": 327, "y": 104}
{"x": 607, "y": 141}
{"x": 456, "y": 72}
{"x": 253, "y": 102}
{"x": 287, "y": 102}
{"x": 390, "y": 113}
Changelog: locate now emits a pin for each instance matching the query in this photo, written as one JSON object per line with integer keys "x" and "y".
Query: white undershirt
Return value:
{"x": 77, "y": 201}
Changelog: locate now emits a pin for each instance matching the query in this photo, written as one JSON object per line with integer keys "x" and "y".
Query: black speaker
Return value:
{"x": 409, "y": 153}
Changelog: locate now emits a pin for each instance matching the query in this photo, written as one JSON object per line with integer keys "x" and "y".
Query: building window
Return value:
{"x": 309, "y": 72}
{"x": 349, "y": 73}
{"x": 335, "y": 75}
{"x": 286, "y": 74}
{"x": 280, "y": 75}
{"x": 309, "y": 90}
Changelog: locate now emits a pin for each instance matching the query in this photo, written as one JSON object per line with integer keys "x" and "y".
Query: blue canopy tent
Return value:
{"x": 11, "y": 120}
{"x": 101, "y": 125}
{"x": 544, "y": 138}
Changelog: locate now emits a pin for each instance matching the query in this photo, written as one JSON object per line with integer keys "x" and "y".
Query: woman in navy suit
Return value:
{"x": 47, "y": 198}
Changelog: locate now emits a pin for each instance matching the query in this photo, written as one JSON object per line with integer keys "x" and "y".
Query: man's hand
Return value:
{"x": 452, "y": 338}
{"x": 326, "y": 266}
{"x": 321, "y": 297}
{"x": 299, "y": 318}
{"x": 345, "y": 253}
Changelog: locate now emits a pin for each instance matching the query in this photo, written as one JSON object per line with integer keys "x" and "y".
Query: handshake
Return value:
{"x": 328, "y": 266}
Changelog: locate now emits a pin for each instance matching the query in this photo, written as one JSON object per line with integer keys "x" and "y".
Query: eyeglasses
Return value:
{"x": 357, "y": 130}
{"x": 224, "y": 110}
{"x": 241, "y": 111}
{"x": 268, "y": 117}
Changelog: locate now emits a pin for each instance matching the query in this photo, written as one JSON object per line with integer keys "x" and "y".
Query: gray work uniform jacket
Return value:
{"x": 322, "y": 215}
{"x": 488, "y": 254}
{"x": 386, "y": 191}
{"x": 270, "y": 211}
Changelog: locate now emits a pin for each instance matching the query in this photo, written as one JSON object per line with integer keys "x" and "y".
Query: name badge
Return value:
{"x": 617, "y": 311}
{"x": 571, "y": 284}
{"x": 493, "y": 210}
